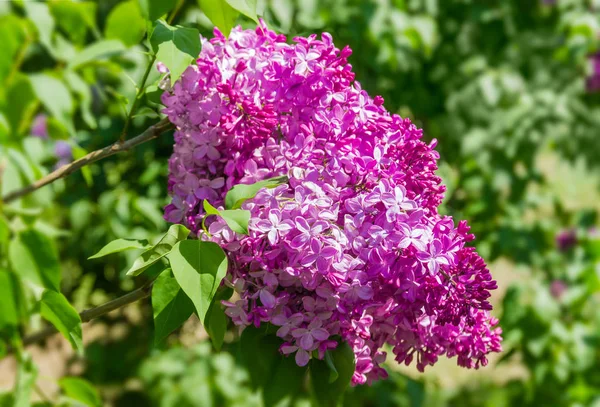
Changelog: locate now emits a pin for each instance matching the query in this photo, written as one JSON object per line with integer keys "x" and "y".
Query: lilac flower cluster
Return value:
{"x": 593, "y": 80}
{"x": 352, "y": 247}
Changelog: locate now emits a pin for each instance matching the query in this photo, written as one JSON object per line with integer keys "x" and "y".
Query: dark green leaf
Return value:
{"x": 175, "y": 234}
{"x": 240, "y": 193}
{"x": 285, "y": 383}
{"x": 246, "y": 7}
{"x": 216, "y": 324}
{"x": 9, "y": 316}
{"x": 126, "y": 23}
{"x": 260, "y": 353}
{"x": 33, "y": 257}
{"x": 176, "y": 47}
{"x": 155, "y": 9}
{"x": 75, "y": 18}
{"x": 120, "y": 245}
{"x": 220, "y": 13}
{"x": 326, "y": 392}
{"x": 81, "y": 390}
{"x": 199, "y": 268}
{"x": 86, "y": 171}
{"x": 55, "y": 308}
{"x": 170, "y": 305}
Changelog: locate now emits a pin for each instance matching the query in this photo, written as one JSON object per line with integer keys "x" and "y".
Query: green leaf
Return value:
{"x": 126, "y": 23}
{"x": 333, "y": 375}
{"x": 81, "y": 390}
{"x": 199, "y": 268}
{"x": 287, "y": 379}
{"x": 39, "y": 13}
{"x": 246, "y": 7}
{"x": 75, "y": 18}
{"x": 220, "y": 14}
{"x": 96, "y": 51}
{"x": 55, "y": 97}
{"x": 176, "y": 47}
{"x": 84, "y": 92}
{"x": 216, "y": 324}
{"x": 327, "y": 392}
{"x": 12, "y": 37}
{"x": 55, "y": 308}
{"x": 9, "y": 316}
{"x": 260, "y": 353}
{"x": 86, "y": 171}
{"x": 33, "y": 257}
{"x": 175, "y": 234}
{"x": 23, "y": 100}
{"x": 26, "y": 377}
{"x": 120, "y": 245}
{"x": 170, "y": 305}
{"x": 155, "y": 9}
{"x": 236, "y": 219}
{"x": 240, "y": 193}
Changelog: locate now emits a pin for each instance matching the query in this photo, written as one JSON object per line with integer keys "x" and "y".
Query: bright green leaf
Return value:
{"x": 39, "y": 13}
{"x": 199, "y": 268}
{"x": 84, "y": 93}
{"x": 327, "y": 392}
{"x": 55, "y": 308}
{"x": 170, "y": 305}
{"x": 126, "y": 23}
{"x": 55, "y": 97}
{"x": 26, "y": 376}
{"x": 220, "y": 13}
{"x": 22, "y": 102}
{"x": 96, "y": 51}
{"x": 33, "y": 257}
{"x": 81, "y": 390}
{"x": 237, "y": 195}
{"x": 175, "y": 234}
{"x": 236, "y": 219}
{"x": 12, "y": 37}
{"x": 246, "y": 7}
{"x": 120, "y": 245}
{"x": 176, "y": 47}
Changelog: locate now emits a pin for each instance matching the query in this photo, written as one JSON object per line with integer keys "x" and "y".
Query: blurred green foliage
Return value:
{"x": 499, "y": 83}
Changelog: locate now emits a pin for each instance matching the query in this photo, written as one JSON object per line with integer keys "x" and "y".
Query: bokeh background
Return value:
{"x": 509, "y": 88}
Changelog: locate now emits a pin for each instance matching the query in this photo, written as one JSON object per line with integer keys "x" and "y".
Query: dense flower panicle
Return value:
{"x": 352, "y": 247}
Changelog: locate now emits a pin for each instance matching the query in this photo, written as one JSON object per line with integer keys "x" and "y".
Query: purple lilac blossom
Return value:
{"x": 353, "y": 246}
{"x": 566, "y": 239}
{"x": 39, "y": 128}
{"x": 64, "y": 153}
{"x": 593, "y": 81}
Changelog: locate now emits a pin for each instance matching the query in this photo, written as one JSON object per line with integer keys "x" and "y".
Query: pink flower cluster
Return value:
{"x": 352, "y": 248}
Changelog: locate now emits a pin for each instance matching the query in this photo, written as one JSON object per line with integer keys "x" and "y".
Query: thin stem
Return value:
{"x": 138, "y": 97}
{"x": 142, "y": 86}
{"x": 150, "y": 133}
{"x": 93, "y": 313}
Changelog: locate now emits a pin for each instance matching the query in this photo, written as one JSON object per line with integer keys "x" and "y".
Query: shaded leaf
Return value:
{"x": 155, "y": 9}
{"x": 216, "y": 324}
{"x": 171, "y": 306}
{"x": 327, "y": 392}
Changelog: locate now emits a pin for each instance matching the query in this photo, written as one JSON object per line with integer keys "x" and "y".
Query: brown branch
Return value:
{"x": 93, "y": 313}
{"x": 150, "y": 133}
